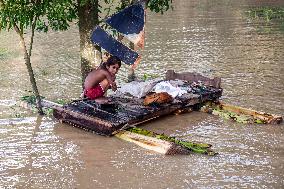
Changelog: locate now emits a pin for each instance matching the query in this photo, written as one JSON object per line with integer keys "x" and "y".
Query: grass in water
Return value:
{"x": 268, "y": 15}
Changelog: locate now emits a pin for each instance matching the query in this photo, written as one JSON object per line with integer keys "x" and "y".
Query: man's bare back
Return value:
{"x": 99, "y": 76}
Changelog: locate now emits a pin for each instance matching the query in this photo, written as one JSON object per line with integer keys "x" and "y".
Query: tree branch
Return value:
{"x": 32, "y": 36}
{"x": 2, "y": 3}
{"x": 17, "y": 29}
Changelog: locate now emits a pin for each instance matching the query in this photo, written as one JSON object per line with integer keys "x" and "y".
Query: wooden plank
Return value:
{"x": 194, "y": 77}
{"x": 97, "y": 125}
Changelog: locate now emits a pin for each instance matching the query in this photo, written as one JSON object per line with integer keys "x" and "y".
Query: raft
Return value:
{"x": 118, "y": 113}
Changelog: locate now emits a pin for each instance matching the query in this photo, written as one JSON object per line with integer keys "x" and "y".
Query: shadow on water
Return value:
{"x": 214, "y": 38}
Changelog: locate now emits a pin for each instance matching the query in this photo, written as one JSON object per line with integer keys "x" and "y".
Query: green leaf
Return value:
{"x": 56, "y": 14}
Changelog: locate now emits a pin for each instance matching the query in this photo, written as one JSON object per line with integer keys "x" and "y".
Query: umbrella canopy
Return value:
{"x": 111, "y": 45}
{"x": 130, "y": 22}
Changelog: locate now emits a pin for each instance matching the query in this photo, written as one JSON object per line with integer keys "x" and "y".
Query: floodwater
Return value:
{"x": 212, "y": 37}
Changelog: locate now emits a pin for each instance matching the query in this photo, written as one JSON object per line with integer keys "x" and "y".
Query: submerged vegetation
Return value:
{"x": 3, "y": 53}
{"x": 6, "y": 54}
{"x": 268, "y": 15}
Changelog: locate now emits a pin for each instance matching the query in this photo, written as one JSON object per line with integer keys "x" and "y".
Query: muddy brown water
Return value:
{"x": 214, "y": 38}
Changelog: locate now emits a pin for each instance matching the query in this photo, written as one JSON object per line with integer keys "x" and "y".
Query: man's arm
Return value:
{"x": 111, "y": 81}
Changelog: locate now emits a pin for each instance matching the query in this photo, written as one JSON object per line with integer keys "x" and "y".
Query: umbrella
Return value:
{"x": 114, "y": 47}
{"x": 130, "y": 22}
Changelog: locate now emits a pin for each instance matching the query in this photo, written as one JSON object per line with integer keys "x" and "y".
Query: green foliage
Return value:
{"x": 48, "y": 111}
{"x": 31, "y": 99}
{"x": 240, "y": 118}
{"x": 149, "y": 76}
{"x": 62, "y": 101}
{"x": 159, "y": 5}
{"x": 231, "y": 115}
{"x": 3, "y": 53}
{"x": 56, "y": 14}
{"x": 48, "y": 14}
{"x": 267, "y": 13}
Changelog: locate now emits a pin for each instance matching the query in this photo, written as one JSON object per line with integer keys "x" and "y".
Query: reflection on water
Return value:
{"x": 33, "y": 157}
{"x": 214, "y": 38}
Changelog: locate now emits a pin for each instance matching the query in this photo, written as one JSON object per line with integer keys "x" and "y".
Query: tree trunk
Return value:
{"x": 32, "y": 77}
{"x": 27, "y": 58}
{"x": 33, "y": 82}
{"x": 88, "y": 18}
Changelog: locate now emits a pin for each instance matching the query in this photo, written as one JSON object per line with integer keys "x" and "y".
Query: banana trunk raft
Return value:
{"x": 239, "y": 114}
{"x": 163, "y": 144}
{"x": 116, "y": 113}
{"x": 120, "y": 115}
{"x": 147, "y": 139}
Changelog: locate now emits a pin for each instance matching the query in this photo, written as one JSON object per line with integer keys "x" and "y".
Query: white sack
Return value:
{"x": 138, "y": 89}
{"x": 165, "y": 86}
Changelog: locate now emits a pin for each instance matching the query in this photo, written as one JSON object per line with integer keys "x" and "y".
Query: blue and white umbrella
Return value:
{"x": 129, "y": 22}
